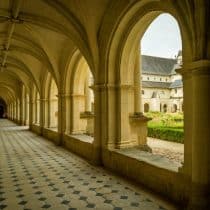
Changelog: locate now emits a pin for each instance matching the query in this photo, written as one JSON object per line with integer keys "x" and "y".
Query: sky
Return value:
{"x": 162, "y": 38}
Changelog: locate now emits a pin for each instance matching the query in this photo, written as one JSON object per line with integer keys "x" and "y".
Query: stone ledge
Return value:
{"x": 87, "y": 115}
{"x": 155, "y": 160}
{"x": 81, "y": 137}
{"x": 138, "y": 116}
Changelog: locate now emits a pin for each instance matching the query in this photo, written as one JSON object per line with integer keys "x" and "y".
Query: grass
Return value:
{"x": 166, "y": 126}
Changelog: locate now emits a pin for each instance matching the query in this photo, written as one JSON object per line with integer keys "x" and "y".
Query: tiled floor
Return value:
{"x": 35, "y": 174}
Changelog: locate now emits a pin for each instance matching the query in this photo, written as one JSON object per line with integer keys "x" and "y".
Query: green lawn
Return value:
{"x": 166, "y": 126}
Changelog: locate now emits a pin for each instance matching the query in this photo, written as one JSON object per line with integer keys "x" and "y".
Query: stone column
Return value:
{"x": 21, "y": 112}
{"x": 138, "y": 121}
{"x": 53, "y": 108}
{"x": 62, "y": 115}
{"x": 87, "y": 114}
{"x": 201, "y": 135}
{"x": 16, "y": 109}
{"x": 8, "y": 111}
{"x": 188, "y": 120}
{"x": 35, "y": 112}
{"x": 26, "y": 111}
{"x": 88, "y": 94}
{"x": 43, "y": 113}
{"x": 31, "y": 112}
{"x": 67, "y": 113}
{"x": 99, "y": 123}
{"x": 137, "y": 84}
{"x": 38, "y": 111}
{"x": 11, "y": 111}
{"x": 78, "y": 125}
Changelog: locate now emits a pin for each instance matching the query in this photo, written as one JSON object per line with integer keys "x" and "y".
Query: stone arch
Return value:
{"x": 79, "y": 75}
{"x": 122, "y": 60}
{"x": 45, "y": 84}
{"x": 53, "y": 105}
{"x": 130, "y": 29}
{"x": 35, "y": 96}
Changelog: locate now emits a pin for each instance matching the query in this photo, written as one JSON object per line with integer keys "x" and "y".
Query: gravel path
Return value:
{"x": 171, "y": 150}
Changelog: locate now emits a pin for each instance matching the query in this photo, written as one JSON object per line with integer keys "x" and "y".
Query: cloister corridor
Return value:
{"x": 35, "y": 174}
{"x": 73, "y": 132}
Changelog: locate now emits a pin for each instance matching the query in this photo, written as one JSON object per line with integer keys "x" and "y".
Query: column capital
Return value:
{"x": 104, "y": 86}
{"x": 200, "y": 67}
{"x": 78, "y": 95}
{"x": 44, "y": 99}
{"x": 63, "y": 95}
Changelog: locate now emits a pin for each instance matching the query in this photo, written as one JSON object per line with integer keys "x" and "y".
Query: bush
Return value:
{"x": 169, "y": 134}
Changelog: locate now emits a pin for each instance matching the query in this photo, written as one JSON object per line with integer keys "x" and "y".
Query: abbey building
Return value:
{"x": 162, "y": 87}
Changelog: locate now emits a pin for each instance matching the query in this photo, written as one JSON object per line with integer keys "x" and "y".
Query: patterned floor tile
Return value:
{"x": 37, "y": 175}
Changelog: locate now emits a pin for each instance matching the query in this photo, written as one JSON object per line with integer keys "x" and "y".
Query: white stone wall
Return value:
{"x": 170, "y": 98}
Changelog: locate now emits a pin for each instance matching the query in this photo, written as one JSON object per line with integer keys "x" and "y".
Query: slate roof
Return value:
{"x": 151, "y": 84}
{"x": 177, "y": 83}
{"x": 157, "y": 65}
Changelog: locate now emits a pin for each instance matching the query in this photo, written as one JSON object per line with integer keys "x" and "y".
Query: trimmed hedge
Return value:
{"x": 169, "y": 134}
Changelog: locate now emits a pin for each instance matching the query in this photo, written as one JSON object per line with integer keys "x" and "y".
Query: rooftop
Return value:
{"x": 158, "y": 65}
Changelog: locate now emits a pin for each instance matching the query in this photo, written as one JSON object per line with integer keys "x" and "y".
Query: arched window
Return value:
{"x": 164, "y": 108}
{"x": 53, "y": 105}
{"x": 146, "y": 107}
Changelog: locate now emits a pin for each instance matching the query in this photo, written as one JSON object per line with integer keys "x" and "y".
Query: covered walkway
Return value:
{"x": 36, "y": 174}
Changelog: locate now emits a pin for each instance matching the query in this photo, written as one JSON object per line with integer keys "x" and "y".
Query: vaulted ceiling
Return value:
{"x": 38, "y": 36}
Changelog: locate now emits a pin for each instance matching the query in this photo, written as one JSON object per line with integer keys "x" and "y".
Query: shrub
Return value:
{"x": 165, "y": 133}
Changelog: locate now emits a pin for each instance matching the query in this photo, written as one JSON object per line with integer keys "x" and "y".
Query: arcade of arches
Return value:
{"x": 70, "y": 70}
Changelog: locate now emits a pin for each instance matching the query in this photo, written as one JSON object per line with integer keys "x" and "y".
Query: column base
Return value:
{"x": 200, "y": 197}
{"x": 138, "y": 124}
{"x": 145, "y": 148}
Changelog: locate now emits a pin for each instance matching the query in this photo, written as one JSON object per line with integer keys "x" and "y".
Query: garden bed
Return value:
{"x": 166, "y": 126}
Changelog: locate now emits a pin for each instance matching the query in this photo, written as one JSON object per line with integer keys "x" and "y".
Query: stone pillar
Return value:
{"x": 77, "y": 125}
{"x": 88, "y": 94}
{"x": 21, "y": 112}
{"x": 53, "y": 113}
{"x": 87, "y": 114}
{"x": 62, "y": 115}
{"x": 11, "y": 111}
{"x": 18, "y": 112}
{"x": 26, "y": 111}
{"x": 137, "y": 84}
{"x": 188, "y": 120}
{"x": 31, "y": 112}
{"x": 99, "y": 123}
{"x": 201, "y": 135}
{"x": 138, "y": 121}
{"x": 67, "y": 117}
{"x": 38, "y": 111}
{"x": 43, "y": 113}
